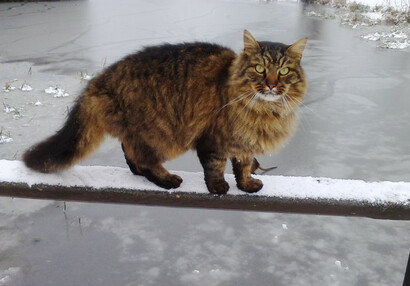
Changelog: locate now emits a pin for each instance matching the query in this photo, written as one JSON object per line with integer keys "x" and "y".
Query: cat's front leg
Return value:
{"x": 242, "y": 169}
{"x": 214, "y": 168}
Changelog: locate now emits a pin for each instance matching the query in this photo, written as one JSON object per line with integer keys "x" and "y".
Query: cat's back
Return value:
{"x": 178, "y": 53}
{"x": 177, "y": 63}
{"x": 171, "y": 67}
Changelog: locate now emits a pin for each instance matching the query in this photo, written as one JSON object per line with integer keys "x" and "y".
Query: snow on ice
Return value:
{"x": 392, "y": 40}
{"x": 5, "y": 139}
{"x": 56, "y": 91}
{"x": 26, "y": 87}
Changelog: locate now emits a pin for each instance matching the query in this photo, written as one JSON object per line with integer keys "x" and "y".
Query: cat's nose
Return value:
{"x": 272, "y": 85}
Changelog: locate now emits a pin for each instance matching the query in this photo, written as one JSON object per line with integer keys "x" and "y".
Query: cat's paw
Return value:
{"x": 170, "y": 181}
{"x": 218, "y": 188}
{"x": 251, "y": 185}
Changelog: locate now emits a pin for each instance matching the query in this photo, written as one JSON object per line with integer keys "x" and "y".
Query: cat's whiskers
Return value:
{"x": 237, "y": 99}
{"x": 286, "y": 104}
{"x": 300, "y": 104}
{"x": 241, "y": 112}
{"x": 248, "y": 103}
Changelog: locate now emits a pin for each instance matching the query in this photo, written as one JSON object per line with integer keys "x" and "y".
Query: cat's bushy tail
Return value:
{"x": 79, "y": 136}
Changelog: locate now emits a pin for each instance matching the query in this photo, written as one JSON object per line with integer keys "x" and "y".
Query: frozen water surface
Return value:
{"x": 354, "y": 124}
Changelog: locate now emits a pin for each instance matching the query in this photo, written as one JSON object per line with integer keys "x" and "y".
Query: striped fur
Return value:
{"x": 164, "y": 100}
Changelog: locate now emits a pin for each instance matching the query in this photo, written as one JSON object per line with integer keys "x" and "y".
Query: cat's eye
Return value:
{"x": 284, "y": 71}
{"x": 259, "y": 69}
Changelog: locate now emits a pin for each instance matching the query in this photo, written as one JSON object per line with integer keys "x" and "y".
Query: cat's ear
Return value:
{"x": 250, "y": 44}
{"x": 296, "y": 50}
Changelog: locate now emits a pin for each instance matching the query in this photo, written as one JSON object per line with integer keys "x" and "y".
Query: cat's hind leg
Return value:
{"x": 133, "y": 168}
{"x": 143, "y": 161}
{"x": 242, "y": 168}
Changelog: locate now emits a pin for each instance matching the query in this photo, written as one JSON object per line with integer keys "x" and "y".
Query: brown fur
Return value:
{"x": 165, "y": 100}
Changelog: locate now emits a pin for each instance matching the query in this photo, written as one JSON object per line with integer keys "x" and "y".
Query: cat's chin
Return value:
{"x": 268, "y": 96}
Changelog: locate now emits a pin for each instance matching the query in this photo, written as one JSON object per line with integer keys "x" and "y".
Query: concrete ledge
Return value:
{"x": 388, "y": 200}
{"x": 198, "y": 200}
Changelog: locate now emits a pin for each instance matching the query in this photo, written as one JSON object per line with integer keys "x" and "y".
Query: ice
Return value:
{"x": 24, "y": 207}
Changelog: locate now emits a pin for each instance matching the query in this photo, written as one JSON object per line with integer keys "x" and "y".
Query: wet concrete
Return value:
{"x": 354, "y": 123}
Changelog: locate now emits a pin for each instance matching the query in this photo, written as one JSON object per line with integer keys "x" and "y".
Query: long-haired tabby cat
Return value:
{"x": 165, "y": 100}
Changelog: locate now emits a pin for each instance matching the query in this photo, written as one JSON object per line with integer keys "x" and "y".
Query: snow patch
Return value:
{"x": 392, "y": 40}
{"x": 85, "y": 76}
{"x": 375, "y": 16}
{"x": 8, "y": 88}
{"x": 8, "y": 109}
{"x": 7, "y": 275}
{"x": 378, "y": 36}
{"x": 321, "y": 14}
{"x": 16, "y": 112}
{"x": 26, "y": 87}
{"x": 56, "y": 91}
{"x": 5, "y": 139}
{"x": 339, "y": 266}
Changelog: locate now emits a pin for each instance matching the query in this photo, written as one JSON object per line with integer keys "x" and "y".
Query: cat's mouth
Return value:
{"x": 270, "y": 96}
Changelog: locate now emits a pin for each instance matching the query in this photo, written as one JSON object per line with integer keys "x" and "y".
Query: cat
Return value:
{"x": 167, "y": 99}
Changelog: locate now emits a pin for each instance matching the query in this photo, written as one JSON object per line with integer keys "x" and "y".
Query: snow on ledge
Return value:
{"x": 102, "y": 177}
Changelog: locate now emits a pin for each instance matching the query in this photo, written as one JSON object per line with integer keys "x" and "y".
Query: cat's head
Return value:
{"x": 269, "y": 74}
